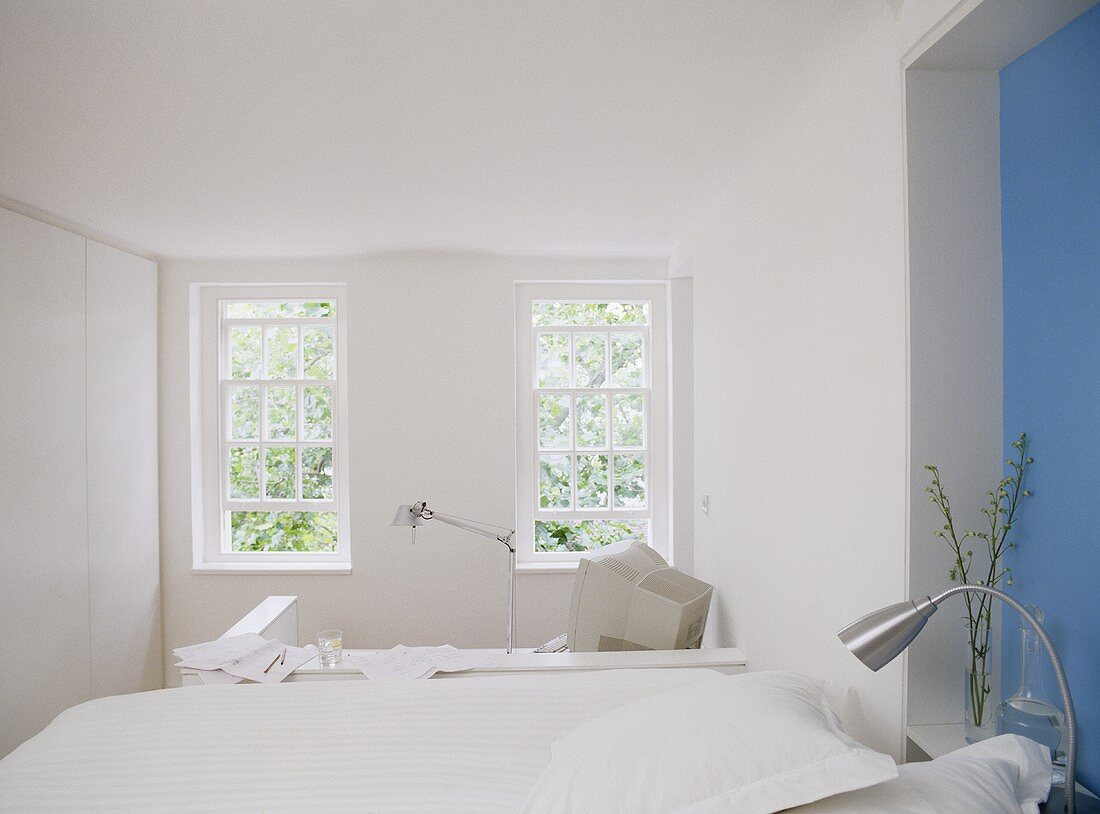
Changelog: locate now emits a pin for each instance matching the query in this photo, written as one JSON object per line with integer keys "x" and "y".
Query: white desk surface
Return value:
{"x": 498, "y": 662}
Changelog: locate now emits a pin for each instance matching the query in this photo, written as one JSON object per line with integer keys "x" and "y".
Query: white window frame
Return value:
{"x": 657, "y": 416}
{"x": 211, "y": 544}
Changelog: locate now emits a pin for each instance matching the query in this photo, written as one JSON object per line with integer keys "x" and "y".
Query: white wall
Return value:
{"x": 800, "y": 371}
{"x": 432, "y": 416}
{"x": 953, "y": 156}
{"x": 78, "y": 491}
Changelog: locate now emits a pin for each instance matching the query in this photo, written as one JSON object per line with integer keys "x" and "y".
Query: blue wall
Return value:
{"x": 1050, "y": 187}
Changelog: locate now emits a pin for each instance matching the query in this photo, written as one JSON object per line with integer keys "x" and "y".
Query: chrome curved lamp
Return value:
{"x": 879, "y": 637}
{"x": 417, "y": 514}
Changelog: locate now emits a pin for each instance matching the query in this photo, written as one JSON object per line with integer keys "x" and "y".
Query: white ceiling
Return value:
{"x": 268, "y": 127}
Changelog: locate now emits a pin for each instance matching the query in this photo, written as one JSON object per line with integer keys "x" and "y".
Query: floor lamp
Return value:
{"x": 417, "y": 514}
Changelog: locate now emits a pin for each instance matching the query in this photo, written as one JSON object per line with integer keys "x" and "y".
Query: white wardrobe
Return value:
{"x": 79, "y": 559}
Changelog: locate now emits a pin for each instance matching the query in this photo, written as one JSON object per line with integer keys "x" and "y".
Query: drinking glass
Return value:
{"x": 330, "y": 645}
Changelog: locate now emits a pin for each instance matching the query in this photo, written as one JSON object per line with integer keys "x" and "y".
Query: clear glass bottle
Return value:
{"x": 1028, "y": 711}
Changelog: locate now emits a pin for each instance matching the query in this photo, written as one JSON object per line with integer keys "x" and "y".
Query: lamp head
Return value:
{"x": 879, "y": 637}
{"x": 407, "y": 515}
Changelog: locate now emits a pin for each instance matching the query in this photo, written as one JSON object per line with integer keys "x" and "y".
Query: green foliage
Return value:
{"x": 282, "y": 413}
{"x": 592, "y": 482}
{"x": 244, "y": 352}
{"x": 279, "y": 310}
{"x": 627, "y": 367}
{"x": 317, "y": 473}
{"x": 281, "y": 464}
{"x": 282, "y": 352}
{"x": 554, "y": 424}
{"x": 245, "y": 408}
{"x": 554, "y": 482}
{"x": 1000, "y": 513}
{"x": 589, "y": 360}
{"x": 244, "y": 473}
{"x": 283, "y": 531}
{"x": 553, "y": 360}
{"x": 628, "y": 420}
{"x": 590, "y": 313}
{"x": 317, "y": 410}
{"x": 592, "y": 422}
{"x": 587, "y": 535}
{"x": 318, "y": 353}
{"x": 630, "y": 482}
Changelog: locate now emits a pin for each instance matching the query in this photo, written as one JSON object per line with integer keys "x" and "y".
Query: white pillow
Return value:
{"x": 1003, "y": 774}
{"x": 758, "y": 742}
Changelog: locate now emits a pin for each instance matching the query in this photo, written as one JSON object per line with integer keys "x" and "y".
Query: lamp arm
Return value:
{"x": 478, "y": 528}
{"x": 1059, "y": 675}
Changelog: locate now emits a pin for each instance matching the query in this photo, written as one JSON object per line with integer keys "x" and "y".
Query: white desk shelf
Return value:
{"x": 277, "y": 618}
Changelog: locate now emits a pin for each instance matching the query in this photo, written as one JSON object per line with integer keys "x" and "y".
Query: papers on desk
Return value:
{"x": 248, "y": 656}
{"x": 413, "y": 662}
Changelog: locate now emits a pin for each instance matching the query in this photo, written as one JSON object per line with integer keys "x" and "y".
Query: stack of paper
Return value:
{"x": 414, "y": 662}
{"x": 248, "y": 656}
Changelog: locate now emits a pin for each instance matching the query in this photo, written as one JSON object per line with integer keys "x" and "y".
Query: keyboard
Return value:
{"x": 555, "y": 645}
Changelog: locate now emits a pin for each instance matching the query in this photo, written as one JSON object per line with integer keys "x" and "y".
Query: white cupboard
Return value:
{"x": 79, "y": 559}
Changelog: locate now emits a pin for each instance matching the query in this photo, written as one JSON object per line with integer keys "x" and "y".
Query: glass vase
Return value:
{"x": 980, "y": 706}
{"x": 1029, "y": 711}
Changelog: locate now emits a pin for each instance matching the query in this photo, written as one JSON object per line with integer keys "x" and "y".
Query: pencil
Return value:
{"x": 268, "y": 667}
{"x": 283, "y": 659}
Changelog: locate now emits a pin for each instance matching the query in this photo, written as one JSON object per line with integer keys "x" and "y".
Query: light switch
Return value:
{"x": 704, "y": 504}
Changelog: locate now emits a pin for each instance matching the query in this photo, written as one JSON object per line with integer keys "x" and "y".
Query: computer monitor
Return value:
{"x": 630, "y": 599}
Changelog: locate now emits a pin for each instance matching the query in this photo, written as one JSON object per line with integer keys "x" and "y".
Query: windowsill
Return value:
{"x": 546, "y": 567}
{"x": 270, "y": 568}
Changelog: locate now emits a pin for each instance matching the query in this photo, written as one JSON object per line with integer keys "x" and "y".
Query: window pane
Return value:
{"x": 317, "y": 413}
{"x": 244, "y": 353}
{"x": 589, "y": 360}
{"x": 554, "y": 482}
{"x": 627, "y": 364}
{"x": 592, "y": 422}
{"x": 318, "y": 358}
{"x": 628, "y": 420}
{"x": 591, "y": 481}
{"x": 279, "y": 310}
{"x": 282, "y": 414}
{"x": 279, "y": 463}
{"x": 244, "y": 473}
{"x": 283, "y": 531}
{"x": 282, "y": 353}
{"x": 630, "y": 482}
{"x": 245, "y": 411}
{"x": 590, "y": 313}
{"x": 554, "y": 423}
{"x": 317, "y": 473}
{"x": 553, "y": 360}
{"x": 586, "y": 535}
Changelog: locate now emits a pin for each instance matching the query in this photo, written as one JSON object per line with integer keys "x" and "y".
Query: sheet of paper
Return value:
{"x": 270, "y": 659}
{"x": 213, "y": 655}
{"x": 217, "y": 677}
{"x": 403, "y": 662}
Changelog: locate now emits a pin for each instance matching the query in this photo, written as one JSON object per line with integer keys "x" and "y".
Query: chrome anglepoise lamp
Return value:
{"x": 418, "y": 514}
{"x": 879, "y": 637}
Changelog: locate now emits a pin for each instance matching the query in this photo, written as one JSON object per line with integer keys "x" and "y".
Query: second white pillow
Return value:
{"x": 753, "y": 743}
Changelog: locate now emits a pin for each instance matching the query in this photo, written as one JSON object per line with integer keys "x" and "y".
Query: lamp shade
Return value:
{"x": 404, "y": 516}
{"x": 879, "y": 637}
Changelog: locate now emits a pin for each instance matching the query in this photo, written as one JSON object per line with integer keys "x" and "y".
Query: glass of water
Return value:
{"x": 330, "y": 645}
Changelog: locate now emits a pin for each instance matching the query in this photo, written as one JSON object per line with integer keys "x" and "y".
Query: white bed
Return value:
{"x": 475, "y": 745}
{"x": 485, "y": 745}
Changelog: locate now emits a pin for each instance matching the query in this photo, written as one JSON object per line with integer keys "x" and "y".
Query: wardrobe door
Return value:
{"x": 124, "y": 571}
{"x": 44, "y": 639}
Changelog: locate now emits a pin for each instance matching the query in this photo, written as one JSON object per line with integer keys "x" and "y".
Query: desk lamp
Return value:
{"x": 418, "y": 514}
{"x": 879, "y": 637}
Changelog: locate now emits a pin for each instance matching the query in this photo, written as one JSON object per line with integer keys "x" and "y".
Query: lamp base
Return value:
{"x": 1056, "y": 803}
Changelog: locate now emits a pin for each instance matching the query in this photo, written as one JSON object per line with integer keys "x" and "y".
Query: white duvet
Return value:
{"x": 473, "y": 745}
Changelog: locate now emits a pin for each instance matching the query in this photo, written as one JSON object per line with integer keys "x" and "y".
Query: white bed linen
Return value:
{"x": 439, "y": 745}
